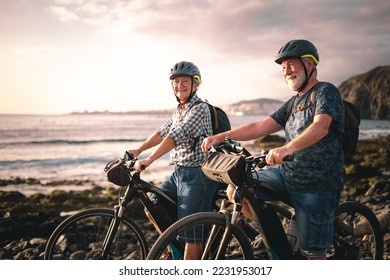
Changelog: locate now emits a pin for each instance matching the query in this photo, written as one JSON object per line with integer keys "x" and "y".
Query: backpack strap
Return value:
{"x": 313, "y": 97}
{"x": 197, "y": 102}
{"x": 196, "y": 139}
{"x": 214, "y": 116}
{"x": 216, "y": 125}
{"x": 301, "y": 107}
{"x": 289, "y": 106}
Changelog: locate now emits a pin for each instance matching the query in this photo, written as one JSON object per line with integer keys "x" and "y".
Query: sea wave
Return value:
{"x": 53, "y": 148}
{"x": 51, "y": 162}
{"x": 69, "y": 142}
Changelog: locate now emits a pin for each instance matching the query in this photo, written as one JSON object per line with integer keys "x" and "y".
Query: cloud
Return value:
{"x": 352, "y": 36}
{"x": 106, "y": 43}
{"x": 248, "y": 28}
{"x": 64, "y": 14}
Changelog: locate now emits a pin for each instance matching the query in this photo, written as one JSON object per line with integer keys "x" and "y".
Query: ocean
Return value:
{"x": 76, "y": 147}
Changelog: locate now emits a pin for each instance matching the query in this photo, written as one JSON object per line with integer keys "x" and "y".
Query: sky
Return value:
{"x": 63, "y": 56}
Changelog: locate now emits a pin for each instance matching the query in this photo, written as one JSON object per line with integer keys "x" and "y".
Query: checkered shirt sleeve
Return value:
{"x": 188, "y": 128}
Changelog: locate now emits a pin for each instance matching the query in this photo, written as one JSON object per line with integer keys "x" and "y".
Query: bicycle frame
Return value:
{"x": 270, "y": 218}
{"x": 139, "y": 189}
{"x": 271, "y": 228}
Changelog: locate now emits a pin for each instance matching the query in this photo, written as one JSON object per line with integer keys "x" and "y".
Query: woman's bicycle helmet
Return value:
{"x": 297, "y": 49}
{"x": 185, "y": 68}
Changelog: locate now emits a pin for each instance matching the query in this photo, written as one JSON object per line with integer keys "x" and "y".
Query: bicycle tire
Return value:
{"x": 348, "y": 243}
{"x": 81, "y": 235}
{"x": 239, "y": 246}
{"x": 357, "y": 234}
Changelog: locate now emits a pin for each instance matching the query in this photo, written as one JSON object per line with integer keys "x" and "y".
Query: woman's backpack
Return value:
{"x": 219, "y": 119}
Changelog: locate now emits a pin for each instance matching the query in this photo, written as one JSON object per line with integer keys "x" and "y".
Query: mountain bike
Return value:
{"x": 357, "y": 231}
{"x": 109, "y": 234}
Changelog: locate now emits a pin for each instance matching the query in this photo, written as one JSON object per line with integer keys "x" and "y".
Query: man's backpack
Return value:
{"x": 352, "y": 119}
{"x": 219, "y": 119}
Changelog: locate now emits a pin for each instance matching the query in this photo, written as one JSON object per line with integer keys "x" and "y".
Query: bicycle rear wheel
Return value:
{"x": 357, "y": 235}
{"x": 81, "y": 236}
{"x": 237, "y": 247}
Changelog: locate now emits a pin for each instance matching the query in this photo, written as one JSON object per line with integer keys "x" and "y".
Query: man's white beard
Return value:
{"x": 295, "y": 82}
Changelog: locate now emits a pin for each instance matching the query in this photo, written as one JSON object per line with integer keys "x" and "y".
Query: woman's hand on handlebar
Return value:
{"x": 208, "y": 142}
{"x": 141, "y": 164}
{"x": 135, "y": 152}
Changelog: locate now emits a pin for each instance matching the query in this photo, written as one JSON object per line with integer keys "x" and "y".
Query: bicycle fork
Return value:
{"x": 226, "y": 236}
{"x": 118, "y": 210}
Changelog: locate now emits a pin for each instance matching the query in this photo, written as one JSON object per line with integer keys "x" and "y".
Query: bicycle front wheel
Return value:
{"x": 357, "y": 233}
{"x": 81, "y": 236}
{"x": 211, "y": 229}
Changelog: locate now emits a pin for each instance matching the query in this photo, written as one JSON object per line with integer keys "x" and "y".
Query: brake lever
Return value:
{"x": 128, "y": 156}
{"x": 232, "y": 142}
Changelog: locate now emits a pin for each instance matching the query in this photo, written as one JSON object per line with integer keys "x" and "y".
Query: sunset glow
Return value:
{"x": 62, "y": 56}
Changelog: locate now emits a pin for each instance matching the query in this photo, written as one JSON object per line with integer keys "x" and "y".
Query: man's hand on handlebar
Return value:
{"x": 277, "y": 156}
{"x": 211, "y": 141}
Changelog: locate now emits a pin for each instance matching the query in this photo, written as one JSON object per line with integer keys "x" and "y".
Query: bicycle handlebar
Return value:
{"x": 230, "y": 146}
{"x": 129, "y": 161}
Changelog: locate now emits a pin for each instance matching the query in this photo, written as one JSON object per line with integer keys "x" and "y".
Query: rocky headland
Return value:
{"x": 369, "y": 91}
{"x": 26, "y": 222}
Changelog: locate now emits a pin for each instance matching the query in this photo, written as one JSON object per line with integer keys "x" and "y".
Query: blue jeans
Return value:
{"x": 314, "y": 213}
{"x": 192, "y": 191}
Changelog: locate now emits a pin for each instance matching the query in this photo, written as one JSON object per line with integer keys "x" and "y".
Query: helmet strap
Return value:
{"x": 189, "y": 97}
{"x": 304, "y": 84}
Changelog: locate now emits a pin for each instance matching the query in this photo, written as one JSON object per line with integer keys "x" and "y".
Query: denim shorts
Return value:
{"x": 192, "y": 191}
{"x": 314, "y": 213}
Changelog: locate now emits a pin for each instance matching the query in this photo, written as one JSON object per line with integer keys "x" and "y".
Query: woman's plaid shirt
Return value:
{"x": 188, "y": 127}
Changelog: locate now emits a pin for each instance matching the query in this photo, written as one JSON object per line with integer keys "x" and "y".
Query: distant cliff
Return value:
{"x": 262, "y": 106}
{"x": 370, "y": 92}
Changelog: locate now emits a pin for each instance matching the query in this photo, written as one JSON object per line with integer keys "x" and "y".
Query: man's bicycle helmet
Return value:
{"x": 185, "y": 68}
{"x": 297, "y": 49}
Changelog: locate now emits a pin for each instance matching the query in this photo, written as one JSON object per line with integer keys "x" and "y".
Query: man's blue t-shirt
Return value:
{"x": 318, "y": 168}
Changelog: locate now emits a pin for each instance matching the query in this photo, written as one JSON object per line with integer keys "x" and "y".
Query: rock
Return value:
{"x": 383, "y": 187}
{"x": 11, "y": 196}
{"x": 27, "y": 222}
{"x": 262, "y": 106}
{"x": 370, "y": 92}
{"x": 18, "y": 181}
{"x": 384, "y": 220}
